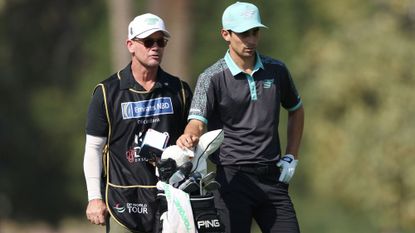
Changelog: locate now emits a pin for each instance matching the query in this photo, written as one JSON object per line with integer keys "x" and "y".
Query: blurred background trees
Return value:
{"x": 352, "y": 61}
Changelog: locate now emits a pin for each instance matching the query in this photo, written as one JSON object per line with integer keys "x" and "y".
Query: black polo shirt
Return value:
{"x": 247, "y": 107}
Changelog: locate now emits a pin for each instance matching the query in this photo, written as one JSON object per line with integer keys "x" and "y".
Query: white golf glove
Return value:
{"x": 287, "y": 166}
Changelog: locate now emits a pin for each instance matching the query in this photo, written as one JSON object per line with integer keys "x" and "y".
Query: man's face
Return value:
{"x": 243, "y": 44}
{"x": 148, "y": 51}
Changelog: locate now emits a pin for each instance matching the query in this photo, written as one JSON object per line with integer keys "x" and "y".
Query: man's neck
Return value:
{"x": 246, "y": 64}
{"x": 145, "y": 76}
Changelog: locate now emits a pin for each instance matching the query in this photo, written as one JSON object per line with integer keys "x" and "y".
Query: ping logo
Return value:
{"x": 145, "y": 108}
{"x": 208, "y": 223}
{"x": 268, "y": 83}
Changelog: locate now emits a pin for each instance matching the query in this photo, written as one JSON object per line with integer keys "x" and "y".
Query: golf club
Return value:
{"x": 205, "y": 179}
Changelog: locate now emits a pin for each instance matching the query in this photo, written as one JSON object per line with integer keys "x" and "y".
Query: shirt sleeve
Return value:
{"x": 290, "y": 99}
{"x": 202, "y": 100}
{"x": 96, "y": 123}
{"x": 93, "y": 165}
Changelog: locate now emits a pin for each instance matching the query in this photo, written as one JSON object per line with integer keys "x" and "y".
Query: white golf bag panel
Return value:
{"x": 208, "y": 143}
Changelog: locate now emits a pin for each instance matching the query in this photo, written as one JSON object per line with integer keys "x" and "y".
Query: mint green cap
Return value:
{"x": 240, "y": 17}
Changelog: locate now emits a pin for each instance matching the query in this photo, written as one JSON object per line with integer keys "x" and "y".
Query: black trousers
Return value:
{"x": 254, "y": 192}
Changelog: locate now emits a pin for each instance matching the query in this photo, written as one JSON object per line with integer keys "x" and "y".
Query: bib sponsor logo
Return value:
{"x": 133, "y": 157}
{"x": 148, "y": 121}
{"x": 147, "y": 108}
{"x": 130, "y": 154}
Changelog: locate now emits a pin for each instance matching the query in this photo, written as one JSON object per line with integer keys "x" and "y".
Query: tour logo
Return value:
{"x": 120, "y": 209}
{"x": 137, "y": 208}
{"x": 131, "y": 208}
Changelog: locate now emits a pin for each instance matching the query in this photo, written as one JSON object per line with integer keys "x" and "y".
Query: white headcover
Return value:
{"x": 177, "y": 154}
{"x": 208, "y": 143}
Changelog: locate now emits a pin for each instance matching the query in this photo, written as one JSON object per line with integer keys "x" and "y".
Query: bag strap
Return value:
{"x": 105, "y": 153}
{"x": 183, "y": 97}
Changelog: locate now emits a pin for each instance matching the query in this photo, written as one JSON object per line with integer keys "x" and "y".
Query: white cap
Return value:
{"x": 144, "y": 25}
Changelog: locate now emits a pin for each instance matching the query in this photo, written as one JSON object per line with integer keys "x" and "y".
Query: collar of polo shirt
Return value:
{"x": 236, "y": 70}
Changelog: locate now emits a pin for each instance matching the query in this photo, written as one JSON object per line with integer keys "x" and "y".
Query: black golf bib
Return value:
{"x": 130, "y": 181}
{"x": 130, "y": 204}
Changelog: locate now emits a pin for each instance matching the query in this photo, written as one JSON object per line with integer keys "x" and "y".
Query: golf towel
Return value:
{"x": 179, "y": 216}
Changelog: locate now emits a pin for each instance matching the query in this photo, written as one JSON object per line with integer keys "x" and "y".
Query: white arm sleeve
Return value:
{"x": 93, "y": 165}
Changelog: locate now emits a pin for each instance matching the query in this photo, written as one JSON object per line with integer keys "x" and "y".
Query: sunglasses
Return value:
{"x": 149, "y": 42}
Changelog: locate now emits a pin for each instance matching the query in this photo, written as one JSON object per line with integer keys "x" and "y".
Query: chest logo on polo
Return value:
{"x": 146, "y": 108}
{"x": 268, "y": 83}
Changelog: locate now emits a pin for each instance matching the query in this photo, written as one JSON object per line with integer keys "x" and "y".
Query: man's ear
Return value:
{"x": 130, "y": 45}
{"x": 225, "y": 34}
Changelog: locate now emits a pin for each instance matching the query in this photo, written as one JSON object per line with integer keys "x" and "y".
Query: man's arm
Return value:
{"x": 96, "y": 209}
{"x": 295, "y": 127}
{"x": 194, "y": 129}
{"x": 289, "y": 161}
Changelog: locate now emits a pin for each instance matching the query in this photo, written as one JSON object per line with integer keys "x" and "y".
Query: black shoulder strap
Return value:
{"x": 183, "y": 97}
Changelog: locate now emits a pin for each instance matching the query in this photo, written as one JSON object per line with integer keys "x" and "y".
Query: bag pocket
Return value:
{"x": 205, "y": 215}
{"x": 132, "y": 207}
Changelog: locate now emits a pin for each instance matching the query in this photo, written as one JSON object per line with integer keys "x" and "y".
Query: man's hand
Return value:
{"x": 96, "y": 211}
{"x": 187, "y": 141}
{"x": 190, "y": 138}
{"x": 287, "y": 166}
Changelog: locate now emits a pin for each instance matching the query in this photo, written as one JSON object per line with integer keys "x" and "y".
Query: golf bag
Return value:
{"x": 185, "y": 200}
{"x": 205, "y": 216}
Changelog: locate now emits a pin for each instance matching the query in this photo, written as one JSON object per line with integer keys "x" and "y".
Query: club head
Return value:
{"x": 181, "y": 174}
{"x": 204, "y": 180}
{"x": 211, "y": 186}
{"x": 196, "y": 176}
{"x": 177, "y": 178}
{"x": 166, "y": 168}
{"x": 208, "y": 177}
{"x": 189, "y": 187}
{"x": 186, "y": 168}
{"x": 184, "y": 184}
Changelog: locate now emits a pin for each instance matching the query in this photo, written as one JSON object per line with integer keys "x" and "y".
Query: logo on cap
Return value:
{"x": 248, "y": 14}
{"x": 151, "y": 21}
{"x": 146, "y": 24}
